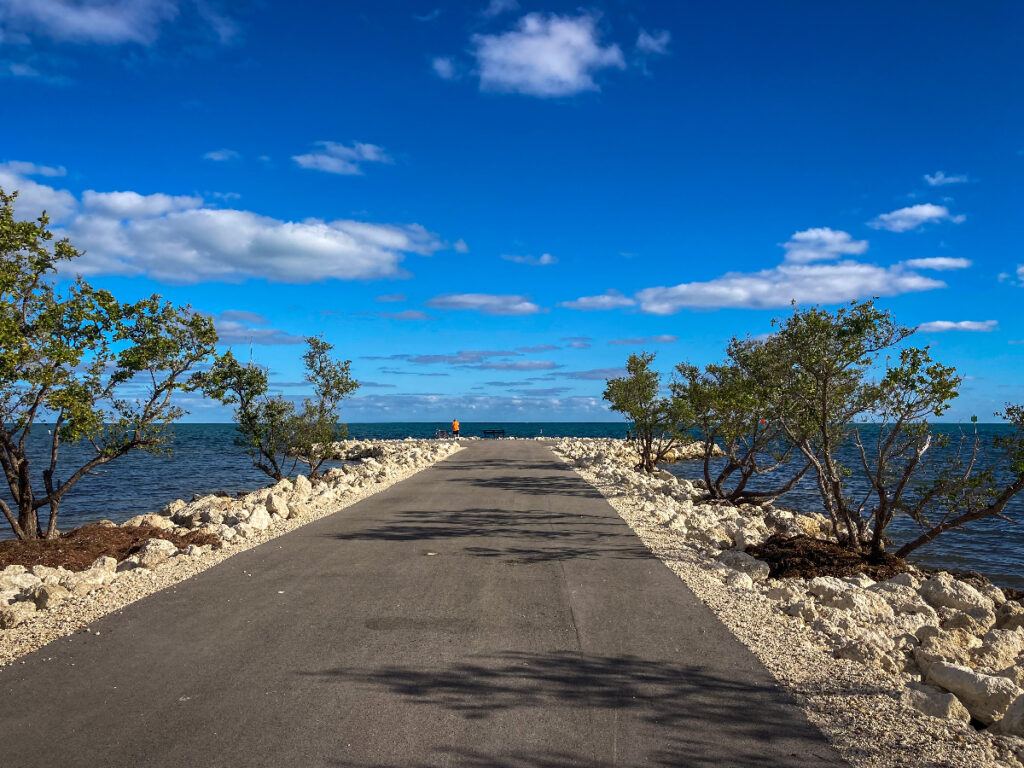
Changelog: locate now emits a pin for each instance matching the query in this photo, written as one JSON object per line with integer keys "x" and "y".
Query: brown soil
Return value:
{"x": 802, "y": 556}
{"x": 77, "y": 549}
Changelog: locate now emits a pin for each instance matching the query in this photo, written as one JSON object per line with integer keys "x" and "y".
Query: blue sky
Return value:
{"x": 488, "y": 206}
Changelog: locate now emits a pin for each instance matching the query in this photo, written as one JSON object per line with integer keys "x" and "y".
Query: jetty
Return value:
{"x": 491, "y": 610}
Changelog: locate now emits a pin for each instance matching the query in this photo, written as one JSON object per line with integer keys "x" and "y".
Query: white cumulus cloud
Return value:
{"x": 545, "y": 56}
{"x": 939, "y": 326}
{"x": 487, "y": 303}
{"x": 822, "y": 244}
{"x": 179, "y": 239}
{"x": 914, "y": 216}
{"x": 342, "y": 159}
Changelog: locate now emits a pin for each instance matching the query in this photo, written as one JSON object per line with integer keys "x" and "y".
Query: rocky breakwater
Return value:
{"x": 948, "y": 650}
{"x": 39, "y": 603}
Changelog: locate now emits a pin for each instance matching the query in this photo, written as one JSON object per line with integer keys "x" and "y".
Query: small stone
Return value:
{"x": 739, "y": 580}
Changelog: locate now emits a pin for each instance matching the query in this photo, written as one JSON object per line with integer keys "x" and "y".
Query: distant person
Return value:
{"x": 455, "y": 427}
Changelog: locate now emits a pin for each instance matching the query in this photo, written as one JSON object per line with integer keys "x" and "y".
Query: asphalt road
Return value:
{"x": 490, "y": 611}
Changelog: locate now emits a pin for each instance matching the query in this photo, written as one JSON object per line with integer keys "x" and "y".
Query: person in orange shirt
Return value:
{"x": 455, "y": 427}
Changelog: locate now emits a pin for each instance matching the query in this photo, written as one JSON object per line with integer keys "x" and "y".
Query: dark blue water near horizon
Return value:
{"x": 206, "y": 459}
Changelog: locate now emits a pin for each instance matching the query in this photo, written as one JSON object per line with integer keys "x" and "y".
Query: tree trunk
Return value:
{"x": 28, "y": 521}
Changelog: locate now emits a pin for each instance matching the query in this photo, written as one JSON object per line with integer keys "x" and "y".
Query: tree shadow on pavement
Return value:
{"x": 534, "y": 485}
{"x": 678, "y": 715}
{"x": 519, "y": 537}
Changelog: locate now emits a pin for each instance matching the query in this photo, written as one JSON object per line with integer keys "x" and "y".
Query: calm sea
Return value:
{"x": 205, "y": 459}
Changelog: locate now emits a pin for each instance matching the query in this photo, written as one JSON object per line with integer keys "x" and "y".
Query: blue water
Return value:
{"x": 205, "y": 459}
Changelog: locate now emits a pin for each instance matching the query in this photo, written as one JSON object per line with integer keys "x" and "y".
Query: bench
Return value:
{"x": 495, "y": 433}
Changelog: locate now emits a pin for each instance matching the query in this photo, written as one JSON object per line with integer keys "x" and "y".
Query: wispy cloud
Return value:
{"x": 594, "y": 374}
{"x": 938, "y": 263}
{"x": 518, "y": 365}
{"x": 940, "y": 326}
{"x": 546, "y": 56}
{"x": 391, "y": 298}
{"x": 777, "y": 287}
{"x": 487, "y": 303}
{"x": 822, "y": 244}
{"x": 444, "y": 67}
{"x": 498, "y": 7}
{"x": 914, "y": 216}
{"x": 222, "y": 155}
{"x": 242, "y": 327}
{"x": 637, "y": 341}
{"x": 544, "y": 260}
{"x": 941, "y": 179}
{"x": 653, "y": 43}
{"x": 577, "y": 342}
{"x": 106, "y": 22}
{"x": 408, "y": 314}
{"x": 33, "y": 169}
{"x": 538, "y": 348}
{"x": 342, "y": 159}
{"x": 609, "y": 300}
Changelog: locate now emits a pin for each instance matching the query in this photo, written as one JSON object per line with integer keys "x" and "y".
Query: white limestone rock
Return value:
{"x": 276, "y": 505}
{"x": 944, "y": 591}
{"x": 49, "y": 596}
{"x": 987, "y": 697}
{"x": 935, "y": 702}
{"x": 827, "y": 587}
{"x": 154, "y": 521}
{"x": 999, "y": 648}
{"x": 302, "y": 488}
{"x": 739, "y": 580}
{"x": 156, "y": 551}
{"x": 259, "y": 520}
{"x": 756, "y": 569}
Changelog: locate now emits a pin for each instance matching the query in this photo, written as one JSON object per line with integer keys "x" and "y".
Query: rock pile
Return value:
{"x": 954, "y": 649}
{"x": 27, "y": 594}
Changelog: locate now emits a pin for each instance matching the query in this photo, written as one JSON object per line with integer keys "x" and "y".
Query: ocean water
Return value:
{"x": 205, "y": 459}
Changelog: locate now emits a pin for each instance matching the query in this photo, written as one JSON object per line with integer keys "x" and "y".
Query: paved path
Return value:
{"x": 492, "y": 611}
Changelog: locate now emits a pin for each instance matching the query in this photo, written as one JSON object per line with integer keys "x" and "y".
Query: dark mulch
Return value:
{"x": 802, "y": 556}
{"x": 77, "y": 549}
